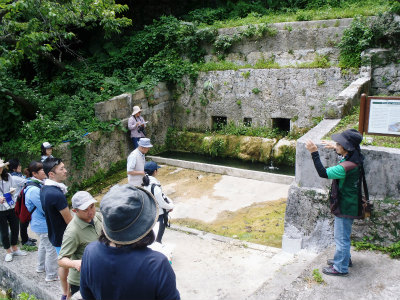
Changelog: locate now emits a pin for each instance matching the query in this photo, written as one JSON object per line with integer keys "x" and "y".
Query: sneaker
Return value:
{"x": 8, "y": 257}
{"x": 330, "y": 262}
{"x": 64, "y": 297}
{"x": 330, "y": 270}
{"x": 19, "y": 253}
{"x": 32, "y": 240}
{"x": 52, "y": 279}
{"x": 40, "y": 270}
{"x": 29, "y": 243}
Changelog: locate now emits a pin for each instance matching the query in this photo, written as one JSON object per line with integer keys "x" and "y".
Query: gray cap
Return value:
{"x": 82, "y": 200}
{"x": 129, "y": 214}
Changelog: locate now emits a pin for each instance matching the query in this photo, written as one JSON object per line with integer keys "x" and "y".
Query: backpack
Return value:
{"x": 23, "y": 214}
{"x": 165, "y": 215}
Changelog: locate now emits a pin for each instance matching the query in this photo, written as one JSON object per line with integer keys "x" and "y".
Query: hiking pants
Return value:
{"x": 47, "y": 257}
{"x": 8, "y": 218}
{"x": 23, "y": 228}
{"x": 161, "y": 228}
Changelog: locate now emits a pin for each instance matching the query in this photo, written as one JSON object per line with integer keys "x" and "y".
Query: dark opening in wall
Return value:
{"x": 247, "y": 122}
{"x": 281, "y": 123}
{"x": 218, "y": 122}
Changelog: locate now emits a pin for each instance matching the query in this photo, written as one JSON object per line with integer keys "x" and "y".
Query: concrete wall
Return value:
{"x": 259, "y": 94}
{"x": 308, "y": 222}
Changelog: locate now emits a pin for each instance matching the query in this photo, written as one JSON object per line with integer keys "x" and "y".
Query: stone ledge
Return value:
{"x": 263, "y": 176}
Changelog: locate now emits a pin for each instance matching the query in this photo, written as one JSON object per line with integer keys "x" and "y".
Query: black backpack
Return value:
{"x": 22, "y": 212}
{"x": 165, "y": 215}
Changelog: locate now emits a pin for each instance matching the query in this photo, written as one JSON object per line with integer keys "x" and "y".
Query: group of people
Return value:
{"x": 121, "y": 231}
{"x": 105, "y": 255}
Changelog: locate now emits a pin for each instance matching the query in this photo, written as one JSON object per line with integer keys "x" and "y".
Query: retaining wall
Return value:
{"x": 259, "y": 94}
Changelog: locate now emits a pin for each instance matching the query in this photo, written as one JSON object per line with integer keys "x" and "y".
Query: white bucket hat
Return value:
{"x": 3, "y": 164}
{"x": 136, "y": 109}
{"x": 145, "y": 143}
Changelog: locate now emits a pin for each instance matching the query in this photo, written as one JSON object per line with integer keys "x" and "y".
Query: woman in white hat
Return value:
{"x": 47, "y": 151}
{"x": 7, "y": 214}
{"x": 136, "y": 125}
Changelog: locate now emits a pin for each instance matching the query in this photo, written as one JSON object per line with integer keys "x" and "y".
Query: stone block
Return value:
{"x": 291, "y": 245}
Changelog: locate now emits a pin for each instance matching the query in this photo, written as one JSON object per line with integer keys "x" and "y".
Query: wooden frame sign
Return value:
{"x": 379, "y": 115}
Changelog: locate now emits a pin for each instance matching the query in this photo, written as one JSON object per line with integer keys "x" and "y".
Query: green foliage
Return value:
{"x": 241, "y": 129}
{"x": 288, "y": 27}
{"x": 320, "y": 82}
{"x": 239, "y": 102}
{"x": 26, "y": 296}
{"x": 29, "y": 248}
{"x": 363, "y": 33}
{"x": 317, "y": 276}
{"x": 33, "y": 29}
{"x": 267, "y": 63}
{"x": 256, "y": 91}
{"x": 393, "y": 250}
{"x": 224, "y": 42}
{"x": 246, "y": 74}
{"x": 100, "y": 180}
{"x": 216, "y": 148}
{"x": 320, "y": 61}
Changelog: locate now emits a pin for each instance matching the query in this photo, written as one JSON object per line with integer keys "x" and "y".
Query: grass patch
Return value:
{"x": 347, "y": 10}
{"x": 351, "y": 121}
{"x": 393, "y": 250}
{"x": 98, "y": 187}
{"x": 29, "y": 248}
{"x": 261, "y": 223}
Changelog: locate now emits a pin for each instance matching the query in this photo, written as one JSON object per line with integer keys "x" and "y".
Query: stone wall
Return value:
{"x": 102, "y": 150}
{"x": 106, "y": 148}
{"x": 294, "y": 42}
{"x": 259, "y": 94}
{"x": 385, "y": 71}
{"x": 308, "y": 222}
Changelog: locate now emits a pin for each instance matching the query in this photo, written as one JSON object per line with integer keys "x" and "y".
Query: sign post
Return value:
{"x": 379, "y": 115}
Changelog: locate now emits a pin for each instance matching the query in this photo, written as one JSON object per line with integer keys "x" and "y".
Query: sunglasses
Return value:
{"x": 55, "y": 164}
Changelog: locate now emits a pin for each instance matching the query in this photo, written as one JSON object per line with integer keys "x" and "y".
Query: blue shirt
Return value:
{"x": 125, "y": 273}
{"x": 53, "y": 201}
{"x": 32, "y": 200}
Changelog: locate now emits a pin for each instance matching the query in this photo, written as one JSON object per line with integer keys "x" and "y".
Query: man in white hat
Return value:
{"x": 84, "y": 228}
{"x": 136, "y": 125}
{"x": 136, "y": 161}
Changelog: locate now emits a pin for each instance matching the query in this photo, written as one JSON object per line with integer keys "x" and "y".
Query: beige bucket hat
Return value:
{"x": 136, "y": 109}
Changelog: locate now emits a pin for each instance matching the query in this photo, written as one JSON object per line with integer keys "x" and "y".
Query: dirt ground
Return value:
{"x": 241, "y": 208}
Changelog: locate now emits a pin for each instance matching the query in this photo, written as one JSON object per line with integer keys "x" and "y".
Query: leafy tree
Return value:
{"x": 47, "y": 28}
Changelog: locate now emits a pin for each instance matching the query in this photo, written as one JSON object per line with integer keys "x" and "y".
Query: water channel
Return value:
{"x": 230, "y": 162}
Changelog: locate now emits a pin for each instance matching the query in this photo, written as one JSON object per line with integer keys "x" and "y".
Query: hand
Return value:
{"x": 2, "y": 199}
{"x": 311, "y": 146}
{"x": 77, "y": 265}
{"x": 170, "y": 210}
{"x": 329, "y": 144}
{"x": 12, "y": 190}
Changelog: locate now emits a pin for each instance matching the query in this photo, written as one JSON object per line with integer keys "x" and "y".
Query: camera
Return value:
{"x": 142, "y": 129}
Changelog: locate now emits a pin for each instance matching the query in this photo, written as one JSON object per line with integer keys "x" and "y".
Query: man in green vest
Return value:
{"x": 346, "y": 183}
{"x": 84, "y": 228}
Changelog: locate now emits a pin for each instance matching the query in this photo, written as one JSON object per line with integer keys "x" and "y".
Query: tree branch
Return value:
{"x": 28, "y": 109}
